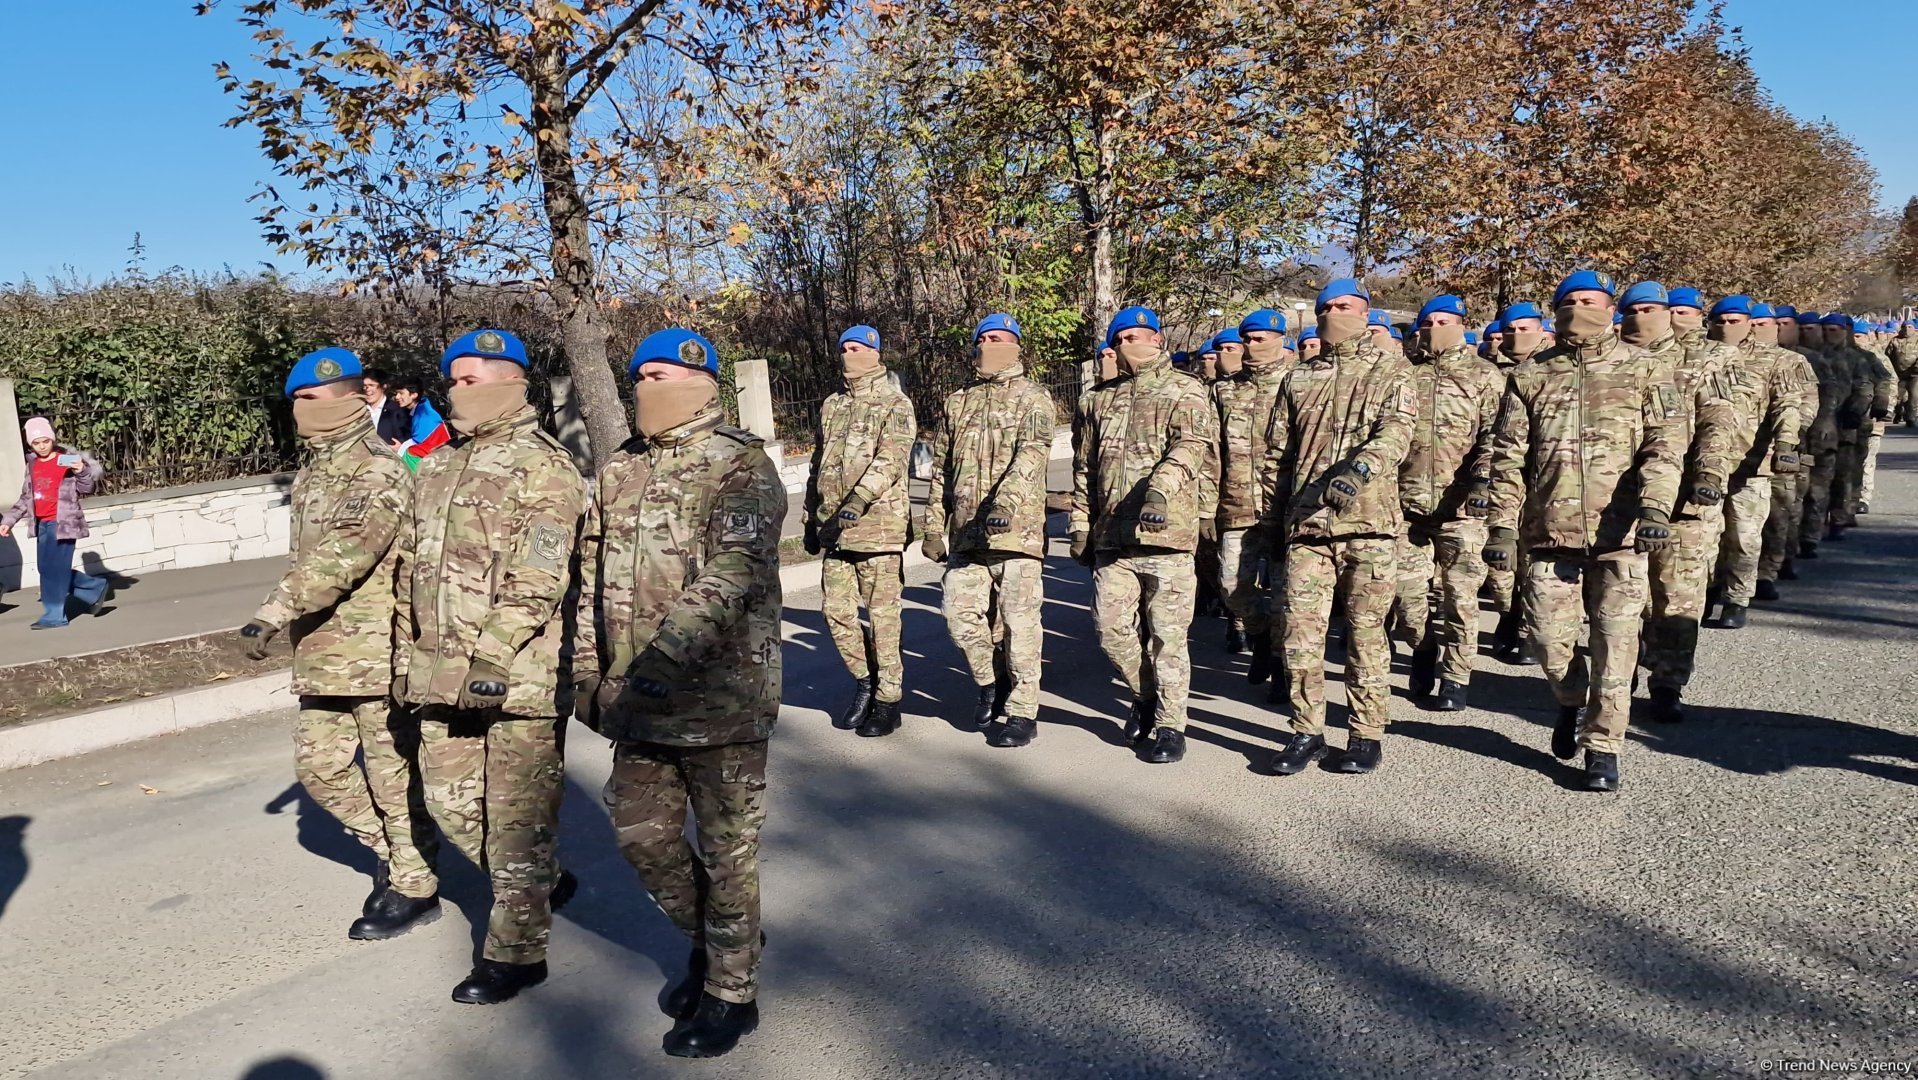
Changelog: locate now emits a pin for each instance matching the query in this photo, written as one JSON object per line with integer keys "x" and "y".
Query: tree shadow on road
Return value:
{"x": 1757, "y": 742}
{"x": 284, "y": 1068}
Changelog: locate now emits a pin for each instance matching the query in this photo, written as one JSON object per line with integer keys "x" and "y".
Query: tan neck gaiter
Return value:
{"x": 664, "y": 404}
{"x": 1263, "y": 353}
{"x": 1683, "y": 321}
{"x": 480, "y": 403}
{"x": 859, "y": 365}
{"x": 1231, "y": 363}
{"x": 1437, "y": 340}
{"x": 1339, "y": 327}
{"x": 995, "y": 357}
{"x": 1644, "y": 329}
{"x": 1729, "y": 333}
{"x": 1134, "y": 355}
{"x": 1108, "y": 363}
{"x": 1519, "y": 344}
{"x": 1787, "y": 332}
{"x": 320, "y": 419}
{"x": 1765, "y": 335}
{"x": 1578, "y": 324}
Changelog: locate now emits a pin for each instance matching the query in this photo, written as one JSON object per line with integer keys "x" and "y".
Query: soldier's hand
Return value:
{"x": 853, "y": 509}
{"x": 1501, "y": 550}
{"x": 811, "y": 539}
{"x": 1654, "y": 531}
{"x": 653, "y": 675}
{"x": 1152, "y": 515}
{"x": 1209, "y": 530}
{"x": 1807, "y": 462}
{"x": 1785, "y": 461}
{"x": 485, "y": 686}
{"x": 998, "y": 522}
{"x": 1080, "y": 547}
{"x": 256, "y": 635}
{"x": 1342, "y": 488}
{"x": 934, "y": 547}
{"x": 397, "y": 690}
{"x": 1479, "y": 503}
{"x": 1707, "y": 490}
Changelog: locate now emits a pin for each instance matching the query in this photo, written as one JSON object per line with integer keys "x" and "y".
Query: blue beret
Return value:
{"x": 1763, "y": 311}
{"x": 1310, "y": 333}
{"x": 1443, "y": 302}
{"x": 1263, "y": 319}
{"x": 1179, "y": 358}
{"x": 1913, "y": 323}
{"x": 1131, "y": 317}
{"x": 1735, "y": 304}
{"x": 1496, "y": 326}
{"x": 1397, "y": 334}
{"x": 1524, "y": 309}
{"x": 489, "y": 343}
{"x": 676, "y": 346}
{"x": 1584, "y": 279}
{"x": 864, "y": 335}
{"x": 998, "y": 320}
{"x": 1644, "y": 292}
{"x": 1861, "y": 326}
{"x": 1471, "y": 337}
{"x": 1836, "y": 318}
{"x": 1808, "y": 318}
{"x": 1227, "y": 336}
{"x": 322, "y": 366}
{"x": 1377, "y": 318}
{"x": 1784, "y": 311}
{"x": 1685, "y": 296}
{"x": 1338, "y": 287}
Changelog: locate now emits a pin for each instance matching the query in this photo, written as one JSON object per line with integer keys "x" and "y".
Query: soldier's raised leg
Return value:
{"x": 968, "y": 601}
{"x": 1616, "y": 591}
{"x": 1553, "y": 600}
{"x": 1459, "y": 550}
{"x": 1368, "y": 578}
{"x": 1311, "y": 576}
{"x": 1745, "y": 512}
{"x": 1679, "y": 578}
{"x": 1116, "y": 590}
{"x": 840, "y": 597}
{"x": 1021, "y": 593}
{"x": 1168, "y": 592}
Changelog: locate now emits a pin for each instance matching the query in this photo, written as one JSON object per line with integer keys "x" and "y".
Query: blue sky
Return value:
{"x": 112, "y": 116}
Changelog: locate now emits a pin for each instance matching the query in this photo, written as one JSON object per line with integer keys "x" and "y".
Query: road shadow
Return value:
{"x": 319, "y": 833}
{"x": 1757, "y": 742}
{"x": 284, "y": 1068}
{"x": 13, "y": 856}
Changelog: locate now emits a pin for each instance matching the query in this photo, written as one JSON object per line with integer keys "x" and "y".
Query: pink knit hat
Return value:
{"x": 39, "y": 427}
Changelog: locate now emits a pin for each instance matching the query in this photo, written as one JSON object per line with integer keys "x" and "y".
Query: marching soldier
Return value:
{"x": 986, "y": 520}
{"x": 485, "y": 558}
{"x": 1764, "y": 398}
{"x": 1776, "y": 327}
{"x": 1519, "y": 337}
{"x": 1876, "y": 361}
{"x": 1904, "y": 359}
{"x": 857, "y": 513}
{"x": 1337, "y": 439}
{"x": 1834, "y": 395}
{"x": 336, "y": 605}
{"x": 1857, "y": 373}
{"x": 1245, "y": 409}
{"x": 679, "y": 656}
{"x": 1144, "y": 477}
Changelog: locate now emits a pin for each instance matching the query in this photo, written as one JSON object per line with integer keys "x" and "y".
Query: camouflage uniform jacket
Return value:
{"x": 1458, "y": 396}
{"x": 1855, "y": 373}
{"x": 1814, "y": 423}
{"x": 1834, "y": 387}
{"x": 1702, "y": 425}
{"x": 1245, "y": 411}
{"x": 866, "y": 433}
{"x": 1582, "y": 446}
{"x": 336, "y": 602}
{"x": 1764, "y": 398}
{"x": 991, "y": 451}
{"x": 1155, "y": 430}
{"x": 1904, "y": 356}
{"x": 484, "y": 562}
{"x": 1351, "y": 404}
{"x": 1884, "y": 380}
{"x": 680, "y": 553}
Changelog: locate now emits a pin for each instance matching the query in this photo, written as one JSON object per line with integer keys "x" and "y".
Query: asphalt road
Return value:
{"x": 940, "y": 908}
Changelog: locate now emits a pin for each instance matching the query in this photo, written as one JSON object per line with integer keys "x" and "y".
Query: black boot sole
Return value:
{"x": 358, "y": 933}
{"x": 717, "y": 1051}
{"x": 1283, "y": 769}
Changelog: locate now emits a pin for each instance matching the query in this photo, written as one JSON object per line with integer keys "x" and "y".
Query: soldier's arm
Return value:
{"x": 1862, "y": 387}
{"x": 742, "y": 534}
{"x": 538, "y": 559}
{"x": 1884, "y": 384}
{"x": 1386, "y": 445}
{"x": 1660, "y": 459}
{"x": 1079, "y": 520}
{"x": 1025, "y": 475}
{"x": 592, "y": 537}
{"x": 365, "y": 524}
{"x": 1188, "y": 440}
{"x": 1511, "y": 444}
{"x": 941, "y": 456}
{"x": 1478, "y": 463}
{"x": 1715, "y": 428}
{"x": 1214, "y": 453}
{"x": 892, "y": 450}
{"x": 1272, "y": 463}
{"x": 406, "y": 544}
{"x": 1782, "y": 413}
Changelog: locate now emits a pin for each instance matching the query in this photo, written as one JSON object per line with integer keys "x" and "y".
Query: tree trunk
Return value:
{"x": 1105, "y": 287}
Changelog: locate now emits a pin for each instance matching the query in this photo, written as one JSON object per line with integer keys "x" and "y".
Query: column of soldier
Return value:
{"x": 1640, "y": 466}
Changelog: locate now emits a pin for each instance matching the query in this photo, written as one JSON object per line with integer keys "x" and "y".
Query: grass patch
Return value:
{"x": 50, "y": 688}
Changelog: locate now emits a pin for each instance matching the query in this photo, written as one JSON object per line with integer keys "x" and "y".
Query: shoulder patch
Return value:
{"x": 545, "y": 546}
{"x": 352, "y": 509}
{"x": 1668, "y": 400}
{"x": 739, "y": 519}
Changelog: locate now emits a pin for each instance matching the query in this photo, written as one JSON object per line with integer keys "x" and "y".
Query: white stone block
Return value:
{"x": 249, "y": 521}
{"x": 129, "y": 539}
{"x": 279, "y": 525}
{"x": 168, "y": 532}
{"x": 254, "y": 548}
{"x": 207, "y": 554}
{"x": 204, "y": 529}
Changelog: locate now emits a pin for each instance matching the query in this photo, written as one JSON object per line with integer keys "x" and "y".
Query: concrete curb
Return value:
{"x": 70, "y": 736}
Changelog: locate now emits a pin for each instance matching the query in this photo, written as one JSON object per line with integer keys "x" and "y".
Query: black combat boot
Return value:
{"x": 1424, "y": 672}
{"x": 1016, "y": 731}
{"x": 1299, "y": 751}
{"x": 1666, "y": 708}
{"x": 1451, "y": 696}
{"x": 563, "y": 890}
{"x": 857, "y": 708}
{"x": 1261, "y": 666}
{"x": 1138, "y": 724}
{"x": 1165, "y": 747}
{"x": 1731, "y": 618}
{"x": 1767, "y": 591}
{"x": 1234, "y": 638}
{"x": 382, "y": 877}
{"x": 1361, "y": 755}
{"x": 394, "y": 915}
{"x": 880, "y": 721}
{"x": 493, "y": 982}
{"x": 683, "y": 998}
{"x": 1807, "y": 549}
{"x": 715, "y": 1028}
{"x": 985, "y": 708}
{"x": 1565, "y": 732}
{"x": 1506, "y": 645}
{"x": 1787, "y": 572}
{"x": 1001, "y": 682}
{"x": 1601, "y": 771}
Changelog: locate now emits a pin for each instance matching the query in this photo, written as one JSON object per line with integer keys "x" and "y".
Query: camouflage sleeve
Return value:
{"x": 538, "y": 562}
{"x": 1188, "y": 455}
{"x": 1386, "y": 445}
{"x": 742, "y": 535}
{"x": 1782, "y": 414}
{"x": 403, "y": 594}
{"x": 1273, "y": 465}
{"x": 1715, "y": 430}
{"x": 1209, "y": 480}
{"x": 892, "y": 451}
{"x": 1660, "y": 459}
{"x": 1025, "y": 477}
{"x": 1884, "y": 384}
{"x": 1511, "y": 445}
{"x": 1490, "y": 393}
{"x": 941, "y": 458}
{"x": 1079, "y": 519}
{"x": 366, "y": 519}
{"x": 592, "y": 533}
{"x": 1862, "y": 388}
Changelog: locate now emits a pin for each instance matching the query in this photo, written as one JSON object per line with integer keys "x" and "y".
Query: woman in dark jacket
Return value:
{"x": 57, "y": 477}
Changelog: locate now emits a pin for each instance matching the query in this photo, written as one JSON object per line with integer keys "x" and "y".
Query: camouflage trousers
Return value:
{"x": 1364, "y": 572}
{"x": 1440, "y": 568}
{"x": 1868, "y": 467}
{"x": 874, "y": 582}
{"x": 1842, "y": 508}
{"x": 711, "y": 894}
{"x": 1209, "y": 595}
{"x": 1562, "y": 592}
{"x": 377, "y": 797}
{"x": 493, "y": 782}
{"x": 1680, "y": 576}
{"x": 1780, "y": 541}
{"x": 993, "y": 607}
{"x": 1142, "y": 607}
{"x": 1818, "y": 485}
{"x": 1908, "y": 397}
{"x": 1744, "y": 538}
{"x": 1243, "y": 579}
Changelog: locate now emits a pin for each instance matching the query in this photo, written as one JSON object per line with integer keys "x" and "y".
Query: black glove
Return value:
{"x": 853, "y": 509}
{"x": 811, "y": 539}
{"x": 998, "y": 522}
{"x": 1707, "y": 490}
{"x": 1849, "y": 418}
{"x": 1342, "y": 488}
{"x": 1785, "y": 461}
{"x": 1479, "y": 503}
{"x": 1152, "y": 514}
{"x": 256, "y": 634}
{"x": 1501, "y": 550}
{"x": 1081, "y": 544}
{"x": 1654, "y": 532}
{"x": 485, "y": 686}
{"x": 653, "y": 676}
{"x": 934, "y": 547}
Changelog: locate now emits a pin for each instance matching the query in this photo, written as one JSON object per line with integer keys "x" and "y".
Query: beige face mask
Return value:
{"x": 1765, "y": 335}
{"x": 1581, "y": 324}
{"x": 1108, "y": 364}
{"x": 1730, "y": 333}
{"x": 664, "y": 404}
{"x": 1231, "y": 362}
{"x": 1687, "y": 320}
{"x": 1261, "y": 353}
{"x": 1647, "y": 328}
{"x": 1519, "y": 344}
{"x": 996, "y": 356}
{"x": 320, "y": 419}
{"x": 480, "y": 403}
{"x": 1435, "y": 340}
{"x": 1339, "y": 327}
{"x": 1134, "y": 355}
{"x": 1209, "y": 368}
{"x": 858, "y": 365}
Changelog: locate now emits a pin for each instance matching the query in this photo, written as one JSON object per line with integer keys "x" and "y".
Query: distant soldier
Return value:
{"x": 336, "y": 606}
{"x": 1834, "y": 392}
{"x": 1337, "y": 439}
{"x": 1448, "y": 465}
{"x": 1762, "y": 388}
{"x": 485, "y": 559}
{"x": 1876, "y": 360}
{"x": 1491, "y": 340}
{"x": 1779, "y": 332}
{"x": 1308, "y": 343}
{"x": 857, "y": 513}
{"x": 1246, "y": 400}
{"x": 1143, "y": 480}
{"x": 1904, "y": 359}
{"x": 679, "y": 660}
{"x": 1521, "y": 336}
{"x": 1858, "y": 376}
{"x": 986, "y": 520}
{"x": 1582, "y": 475}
